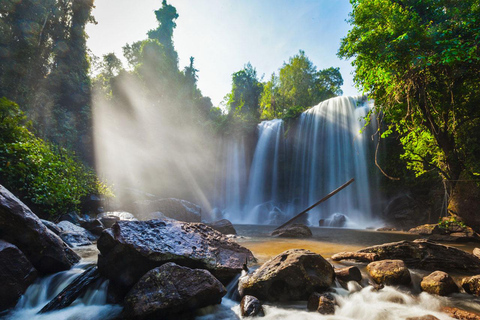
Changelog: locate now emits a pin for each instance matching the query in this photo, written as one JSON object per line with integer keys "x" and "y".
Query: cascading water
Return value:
{"x": 296, "y": 164}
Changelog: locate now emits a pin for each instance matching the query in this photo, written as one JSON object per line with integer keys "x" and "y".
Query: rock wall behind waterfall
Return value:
{"x": 294, "y": 165}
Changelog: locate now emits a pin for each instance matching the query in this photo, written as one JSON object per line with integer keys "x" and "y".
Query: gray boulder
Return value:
{"x": 251, "y": 307}
{"x": 170, "y": 291}
{"x": 21, "y": 227}
{"x": 131, "y": 248}
{"x": 290, "y": 276}
{"x": 75, "y": 236}
{"x": 223, "y": 226}
{"x": 51, "y": 226}
{"x": 16, "y": 274}
{"x": 295, "y": 230}
{"x": 177, "y": 209}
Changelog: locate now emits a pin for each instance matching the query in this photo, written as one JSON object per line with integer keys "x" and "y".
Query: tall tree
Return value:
{"x": 420, "y": 61}
{"x": 244, "y": 98}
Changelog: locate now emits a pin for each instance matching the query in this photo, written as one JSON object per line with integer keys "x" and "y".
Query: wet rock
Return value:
{"x": 295, "y": 230}
{"x": 109, "y": 218}
{"x": 472, "y": 285}
{"x": 426, "y": 317}
{"x": 75, "y": 236}
{"x": 423, "y": 254}
{"x": 131, "y": 248}
{"x": 21, "y": 227}
{"x": 177, "y": 209}
{"x": 337, "y": 220}
{"x": 223, "y": 226}
{"x": 357, "y": 256}
{"x": 251, "y": 307}
{"x": 426, "y": 229}
{"x": 439, "y": 283}
{"x": 347, "y": 274}
{"x": 389, "y": 272}
{"x": 51, "y": 226}
{"x": 382, "y": 229}
{"x": 323, "y": 303}
{"x": 168, "y": 291}
{"x": 72, "y": 217}
{"x": 154, "y": 216}
{"x": 94, "y": 226}
{"x": 16, "y": 274}
{"x": 290, "y": 276}
{"x": 456, "y": 313}
{"x": 476, "y": 252}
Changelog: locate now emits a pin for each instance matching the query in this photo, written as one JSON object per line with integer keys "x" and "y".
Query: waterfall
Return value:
{"x": 296, "y": 163}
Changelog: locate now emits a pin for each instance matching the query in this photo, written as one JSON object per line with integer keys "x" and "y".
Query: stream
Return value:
{"x": 354, "y": 302}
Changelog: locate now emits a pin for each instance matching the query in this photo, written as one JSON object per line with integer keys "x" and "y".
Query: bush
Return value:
{"x": 46, "y": 176}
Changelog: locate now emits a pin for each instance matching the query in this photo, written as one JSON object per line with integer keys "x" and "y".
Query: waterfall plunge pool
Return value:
{"x": 354, "y": 302}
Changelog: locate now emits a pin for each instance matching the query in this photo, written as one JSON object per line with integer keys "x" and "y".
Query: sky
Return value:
{"x": 224, "y": 35}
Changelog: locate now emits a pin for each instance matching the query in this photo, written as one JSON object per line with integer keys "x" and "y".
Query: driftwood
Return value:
{"x": 72, "y": 291}
{"x": 328, "y": 196}
{"x": 357, "y": 256}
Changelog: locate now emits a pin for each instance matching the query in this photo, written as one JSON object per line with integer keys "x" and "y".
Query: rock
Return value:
{"x": 405, "y": 212}
{"x": 75, "y": 236}
{"x": 382, "y": 229}
{"x": 337, "y": 220}
{"x": 94, "y": 226}
{"x": 251, "y": 307}
{"x": 426, "y": 317}
{"x": 358, "y": 256}
{"x": 293, "y": 231}
{"x": 180, "y": 210}
{"x": 460, "y": 314}
{"x": 465, "y": 201}
{"x": 21, "y": 227}
{"x": 347, "y": 274}
{"x": 389, "y": 272}
{"x": 472, "y": 285}
{"x": 290, "y": 276}
{"x": 131, "y": 248}
{"x": 476, "y": 252}
{"x": 108, "y": 219}
{"x": 422, "y": 254}
{"x": 16, "y": 274}
{"x": 72, "y": 217}
{"x": 323, "y": 303}
{"x": 426, "y": 229}
{"x": 51, "y": 226}
{"x": 223, "y": 226}
{"x": 439, "y": 283}
{"x": 171, "y": 290}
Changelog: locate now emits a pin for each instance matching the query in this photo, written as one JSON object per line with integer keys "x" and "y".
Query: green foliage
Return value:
{"x": 42, "y": 174}
{"x": 298, "y": 87}
{"x": 419, "y": 61}
{"x": 446, "y": 223}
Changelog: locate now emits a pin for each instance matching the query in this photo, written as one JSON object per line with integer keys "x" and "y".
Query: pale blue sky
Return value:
{"x": 223, "y": 35}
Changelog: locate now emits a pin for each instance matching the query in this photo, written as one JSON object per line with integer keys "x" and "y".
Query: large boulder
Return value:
{"x": 168, "y": 291}
{"x": 292, "y": 275}
{"x": 323, "y": 303}
{"x": 422, "y": 254}
{"x": 439, "y": 283}
{"x": 21, "y": 227}
{"x": 293, "y": 231}
{"x": 177, "y": 209}
{"x": 223, "y": 226}
{"x": 74, "y": 235}
{"x": 131, "y": 248}
{"x": 16, "y": 274}
{"x": 250, "y": 306}
{"x": 389, "y": 272}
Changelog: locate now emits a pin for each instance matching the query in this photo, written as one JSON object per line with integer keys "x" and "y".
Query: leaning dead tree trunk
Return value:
{"x": 73, "y": 290}
{"x": 328, "y": 196}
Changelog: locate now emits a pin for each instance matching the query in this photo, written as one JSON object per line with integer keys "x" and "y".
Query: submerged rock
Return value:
{"x": 16, "y": 274}
{"x": 131, "y": 248}
{"x": 293, "y": 231}
{"x": 460, "y": 314}
{"x": 223, "y": 226}
{"x": 21, "y": 227}
{"x": 250, "y": 306}
{"x": 323, "y": 303}
{"x": 426, "y": 317}
{"x": 292, "y": 275}
{"x": 439, "y": 283}
{"x": 168, "y": 291}
{"x": 177, "y": 209}
{"x": 389, "y": 272}
{"x": 422, "y": 254}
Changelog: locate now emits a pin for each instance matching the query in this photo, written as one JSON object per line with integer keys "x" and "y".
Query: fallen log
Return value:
{"x": 357, "y": 256}
{"x": 72, "y": 291}
{"x": 328, "y": 196}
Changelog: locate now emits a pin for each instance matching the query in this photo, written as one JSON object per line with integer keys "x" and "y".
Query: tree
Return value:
{"x": 298, "y": 87}
{"x": 419, "y": 61}
{"x": 244, "y": 98}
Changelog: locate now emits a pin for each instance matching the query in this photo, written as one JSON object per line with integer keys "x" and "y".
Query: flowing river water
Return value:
{"x": 354, "y": 302}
